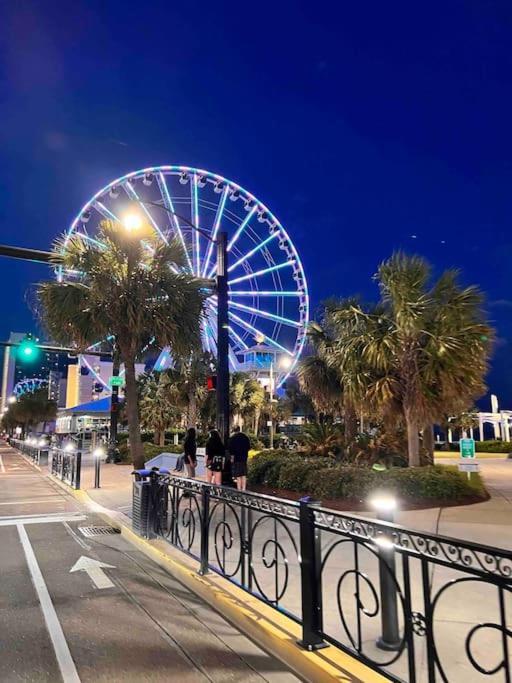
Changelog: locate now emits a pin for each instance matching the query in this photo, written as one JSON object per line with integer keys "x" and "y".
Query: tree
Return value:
{"x": 422, "y": 350}
{"x": 30, "y": 409}
{"x": 127, "y": 287}
{"x": 246, "y": 396}
{"x": 159, "y": 405}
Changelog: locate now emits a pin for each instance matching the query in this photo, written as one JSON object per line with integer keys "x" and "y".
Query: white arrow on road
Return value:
{"x": 95, "y": 570}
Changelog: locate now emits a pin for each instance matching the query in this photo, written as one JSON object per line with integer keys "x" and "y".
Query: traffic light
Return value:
{"x": 28, "y": 349}
{"x": 211, "y": 382}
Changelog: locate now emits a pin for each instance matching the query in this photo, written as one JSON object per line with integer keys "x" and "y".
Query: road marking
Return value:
{"x": 66, "y": 664}
{"x": 48, "y": 516}
{"x": 77, "y": 538}
{"x": 95, "y": 570}
{"x": 46, "y": 519}
{"x": 2, "y": 466}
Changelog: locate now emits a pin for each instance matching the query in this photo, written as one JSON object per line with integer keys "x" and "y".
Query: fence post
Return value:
{"x": 205, "y": 529}
{"x": 78, "y": 471}
{"x": 311, "y": 577}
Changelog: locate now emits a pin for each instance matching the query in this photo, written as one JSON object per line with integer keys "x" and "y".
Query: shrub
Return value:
{"x": 494, "y": 446}
{"x": 323, "y": 478}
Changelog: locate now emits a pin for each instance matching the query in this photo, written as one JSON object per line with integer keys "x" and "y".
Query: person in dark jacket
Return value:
{"x": 215, "y": 456}
{"x": 239, "y": 446}
{"x": 189, "y": 452}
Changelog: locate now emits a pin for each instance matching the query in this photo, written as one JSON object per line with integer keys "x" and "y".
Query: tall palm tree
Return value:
{"x": 127, "y": 287}
{"x": 159, "y": 405}
{"x": 423, "y": 349}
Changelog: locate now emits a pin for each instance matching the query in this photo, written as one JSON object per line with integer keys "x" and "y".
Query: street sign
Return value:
{"x": 116, "y": 381}
{"x": 468, "y": 466}
{"x": 467, "y": 448}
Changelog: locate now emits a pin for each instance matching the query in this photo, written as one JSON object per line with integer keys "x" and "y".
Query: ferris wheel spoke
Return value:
{"x": 241, "y": 228}
{"x": 251, "y": 253}
{"x": 218, "y": 218}
{"x": 258, "y": 293}
{"x": 238, "y": 338}
{"x": 90, "y": 239}
{"x": 133, "y": 195}
{"x": 164, "y": 191}
{"x": 105, "y": 212}
{"x": 265, "y": 314}
{"x": 259, "y": 333}
{"x": 258, "y": 273}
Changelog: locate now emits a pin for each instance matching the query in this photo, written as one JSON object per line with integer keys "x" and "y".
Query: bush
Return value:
{"x": 494, "y": 446}
{"x": 323, "y": 478}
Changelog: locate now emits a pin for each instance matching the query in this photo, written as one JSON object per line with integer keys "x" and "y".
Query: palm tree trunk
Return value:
{"x": 428, "y": 442}
{"x": 192, "y": 410}
{"x": 156, "y": 437}
{"x": 161, "y": 438}
{"x": 132, "y": 413}
{"x": 413, "y": 439}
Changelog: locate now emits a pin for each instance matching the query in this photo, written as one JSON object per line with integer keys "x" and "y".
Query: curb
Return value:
{"x": 268, "y": 628}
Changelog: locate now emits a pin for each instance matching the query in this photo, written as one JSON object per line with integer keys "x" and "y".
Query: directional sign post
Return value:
{"x": 467, "y": 463}
{"x": 95, "y": 570}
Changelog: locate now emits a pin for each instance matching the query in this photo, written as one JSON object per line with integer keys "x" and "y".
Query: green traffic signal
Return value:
{"x": 28, "y": 350}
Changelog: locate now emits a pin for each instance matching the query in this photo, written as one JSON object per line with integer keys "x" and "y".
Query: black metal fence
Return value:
{"x": 37, "y": 453}
{"x": 413, "y": 606}
{"x": 66, "y": 465}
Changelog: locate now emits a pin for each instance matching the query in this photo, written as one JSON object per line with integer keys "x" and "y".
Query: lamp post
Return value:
{"x": 133, "y": 222}
{"x": 98, "y": 453}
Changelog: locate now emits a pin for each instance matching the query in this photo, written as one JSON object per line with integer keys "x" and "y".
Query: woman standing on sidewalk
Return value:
{"x": 189, "y": 452}
{"x": 215, "y": 456}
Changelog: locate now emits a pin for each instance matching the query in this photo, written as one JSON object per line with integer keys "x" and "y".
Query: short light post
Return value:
{"x": 98, "y": 453}
{"x": 385, "y": 506}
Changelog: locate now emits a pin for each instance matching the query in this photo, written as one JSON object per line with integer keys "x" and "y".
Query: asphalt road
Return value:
{"x": 125, "y": 621}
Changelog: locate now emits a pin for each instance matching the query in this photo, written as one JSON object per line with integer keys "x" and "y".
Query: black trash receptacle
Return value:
{"x": 148, "y": 494}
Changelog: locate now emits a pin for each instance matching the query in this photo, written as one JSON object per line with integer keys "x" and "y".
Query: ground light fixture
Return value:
{"x": 385, "y": 504}
{"x": 98, "y": 453}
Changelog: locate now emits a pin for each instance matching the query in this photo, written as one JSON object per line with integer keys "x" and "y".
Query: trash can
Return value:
{"x": 147, "y": 495}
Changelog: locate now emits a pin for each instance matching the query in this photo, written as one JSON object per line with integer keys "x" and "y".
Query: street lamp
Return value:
{"x": 98, "y": 453}
{"x": 284, "y": 363}
{"x": 221, "y": 287}
{"x": 11, "y": 399}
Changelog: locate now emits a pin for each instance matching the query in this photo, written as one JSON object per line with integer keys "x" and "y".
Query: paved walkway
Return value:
{"x": 76, "y": 607}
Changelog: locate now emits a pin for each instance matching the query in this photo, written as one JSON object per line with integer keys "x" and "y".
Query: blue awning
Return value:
{"x": 100, "y": 406}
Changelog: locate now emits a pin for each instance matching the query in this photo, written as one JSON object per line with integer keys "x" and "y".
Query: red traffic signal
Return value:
{"x": 211, "y": 382}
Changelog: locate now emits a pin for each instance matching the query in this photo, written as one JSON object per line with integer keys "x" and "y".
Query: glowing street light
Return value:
{"x": 11, "y": 399}
{"x": 132, "y": 222}
{"x": 284, "y": 363}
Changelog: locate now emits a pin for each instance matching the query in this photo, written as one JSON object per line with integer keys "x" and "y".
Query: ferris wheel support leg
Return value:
{"x": 222, "y": 338}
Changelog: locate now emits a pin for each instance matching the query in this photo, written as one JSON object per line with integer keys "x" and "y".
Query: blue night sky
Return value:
{"x": 360, "y": 125}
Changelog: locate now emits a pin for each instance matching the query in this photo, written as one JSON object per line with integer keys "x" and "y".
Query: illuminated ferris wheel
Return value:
{"x": 268, "y": 293}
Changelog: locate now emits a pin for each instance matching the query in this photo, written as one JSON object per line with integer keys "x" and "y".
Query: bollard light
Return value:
{"x": 98, "y": 453}
{"x": 69, "y": 448}
{"x": 42, "y": 443}
{"x": 383, "y": 504}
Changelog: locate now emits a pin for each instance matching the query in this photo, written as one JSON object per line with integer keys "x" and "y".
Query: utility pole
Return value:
{"x": 222, "y": 338}
{"x": 113, "y": 451}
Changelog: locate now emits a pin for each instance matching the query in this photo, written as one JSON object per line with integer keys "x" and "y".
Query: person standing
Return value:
{"x": 239, "y": 446}
{"x": 190, "y": 452}
{"x": 215, "y": 456}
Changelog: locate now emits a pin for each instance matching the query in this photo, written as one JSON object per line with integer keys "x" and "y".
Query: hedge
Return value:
{"x": 487, "y": 447}
{"x": 323, "y": 478}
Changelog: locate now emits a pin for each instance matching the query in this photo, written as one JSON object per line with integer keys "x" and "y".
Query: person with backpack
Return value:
{"x": 190, "y": 452}
{"x": 239, "y": 446}
{"x": 215, "y": 457}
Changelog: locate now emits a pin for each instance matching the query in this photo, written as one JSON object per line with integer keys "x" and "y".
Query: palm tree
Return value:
{"x": 422, "y": 350}
{"x": 129, "y": 288}
{"x": 246, "y": 396}
{"x": 158, "y": 405}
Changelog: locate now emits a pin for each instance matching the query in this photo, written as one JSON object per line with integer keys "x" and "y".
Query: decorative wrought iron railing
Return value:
{"x": 413, "y": 606}
{"x": 67, "y": 466}
{"x": 38, "y": 454}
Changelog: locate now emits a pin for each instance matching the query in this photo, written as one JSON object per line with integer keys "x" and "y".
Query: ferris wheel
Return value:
{"x": 268, "y": 292}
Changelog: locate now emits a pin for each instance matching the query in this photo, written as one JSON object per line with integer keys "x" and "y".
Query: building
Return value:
{"x": 89, "y": 379}
{"x": 48, "y": 370}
